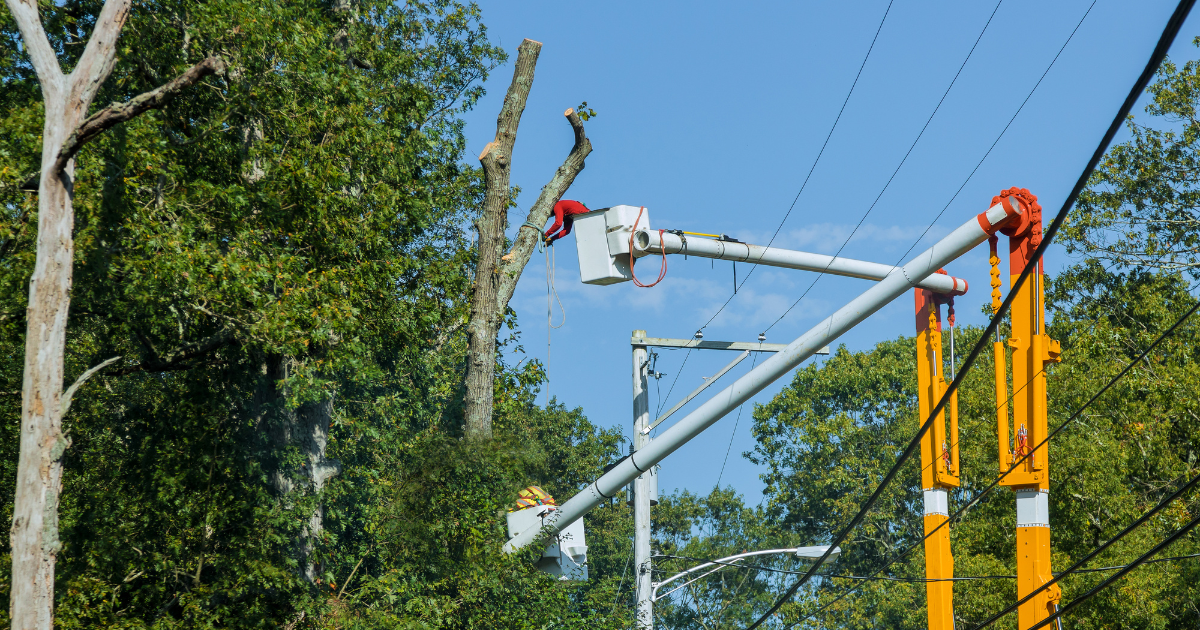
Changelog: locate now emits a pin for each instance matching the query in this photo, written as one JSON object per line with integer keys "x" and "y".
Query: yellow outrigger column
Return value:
{"x": 1032, "y": 349}
{"x": 939, "y": 456}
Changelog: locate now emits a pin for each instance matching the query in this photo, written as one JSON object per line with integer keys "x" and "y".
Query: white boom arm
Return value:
{"x": 957, "y": 243}
{"x": 647, "y": 243}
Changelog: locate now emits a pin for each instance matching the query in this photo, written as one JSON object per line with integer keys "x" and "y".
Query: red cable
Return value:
{"x": 662, "y": 272}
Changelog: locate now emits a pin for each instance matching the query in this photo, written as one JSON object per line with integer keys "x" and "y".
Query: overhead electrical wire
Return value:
{"x": 980, "y": 495}
{"x": 1143, "y": 559}
{"x": 1095, "y": 552}
{"x": 734, "y": 433}
{"x": 889, "y": 578}
{"x": 895, "y": 172}
{"x": 1156, "y": 57}
{"x": 998, "y": 137}
{"x": 995, "y": 483}
{"x": 817, "y": 159}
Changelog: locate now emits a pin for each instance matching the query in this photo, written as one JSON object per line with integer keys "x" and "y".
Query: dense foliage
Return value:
{"x": 295, "y": 233}
{"x": 289, "y": 232}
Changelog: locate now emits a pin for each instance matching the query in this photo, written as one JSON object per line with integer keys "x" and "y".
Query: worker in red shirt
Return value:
{"x": 564, "y": 217}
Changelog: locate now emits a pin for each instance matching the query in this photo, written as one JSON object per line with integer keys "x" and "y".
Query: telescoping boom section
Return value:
{"x": 662, "y": 242}
{"x": 888, "y": 288}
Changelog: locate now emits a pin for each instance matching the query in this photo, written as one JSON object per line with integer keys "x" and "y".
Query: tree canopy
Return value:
{"x": 293, "y": 237}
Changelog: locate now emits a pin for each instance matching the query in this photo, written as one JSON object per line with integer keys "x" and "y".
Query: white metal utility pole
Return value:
{"x": 641, "y": 490}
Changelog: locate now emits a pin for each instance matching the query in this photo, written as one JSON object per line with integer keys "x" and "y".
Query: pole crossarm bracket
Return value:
{"x": 700, "y": 344}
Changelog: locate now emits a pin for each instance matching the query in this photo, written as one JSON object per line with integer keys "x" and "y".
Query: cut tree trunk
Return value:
{"x": 495, "y": 276}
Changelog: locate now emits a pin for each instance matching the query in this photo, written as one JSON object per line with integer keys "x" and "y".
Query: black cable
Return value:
{"x": 898, "y": 166}
{"x": 815, "y": 160}
{"x": 753, "y": 360}
{"x": 662, "y": 402}
{"x": 1122, "y": 566}
{"x": 874, "y": 577}
{"x": 1156, "y": 57}
{"x": 621, "y": 584}
{"x": 1133, "y": 565}
{"x": 1095, "y": 552}
{"x": 997, "y": 140}
{"x": 991, "y": 486}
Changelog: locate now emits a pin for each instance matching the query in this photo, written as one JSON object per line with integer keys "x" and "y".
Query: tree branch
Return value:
{"x": 526, "y": 241}
{"x": 100, "y": 54}
{"x": 66, "y": 398}
{"x": 36, "y": 45}
{"x": 177, "y": 360}
{"x": 117, "y": 113}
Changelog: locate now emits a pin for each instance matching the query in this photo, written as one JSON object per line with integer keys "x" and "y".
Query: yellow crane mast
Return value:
{"x": 1032, "y": 349}
{"x": 939, "y": 456}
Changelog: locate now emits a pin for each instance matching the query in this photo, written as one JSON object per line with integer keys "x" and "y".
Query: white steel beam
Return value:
{"x": 957, "y": 243}
{"x": 647, "y": 243}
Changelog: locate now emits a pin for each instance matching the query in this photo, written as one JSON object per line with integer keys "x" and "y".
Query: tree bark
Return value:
{"x": 118, "y": 113}
{"x": 306, "y": 429}
{"x": 66, "y": 98}
{"x": 496, "y": 277}
{"x": 34, "y": 533}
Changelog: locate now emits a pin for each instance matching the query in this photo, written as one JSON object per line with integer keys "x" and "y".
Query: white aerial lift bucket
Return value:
{"x": 566, "y": 555}
{"x": 602, "y": 241}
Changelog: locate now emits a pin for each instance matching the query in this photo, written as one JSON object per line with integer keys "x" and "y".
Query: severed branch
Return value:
{"x": 527, "y": 239}
{"x": 118, "y": 113}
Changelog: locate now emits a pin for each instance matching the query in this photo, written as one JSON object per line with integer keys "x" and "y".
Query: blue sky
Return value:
{"x": 711, "y": 114}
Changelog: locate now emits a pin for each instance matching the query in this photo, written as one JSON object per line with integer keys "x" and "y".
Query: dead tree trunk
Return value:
{"x": 495, "y": 276}
{"x": 34, "y": 533}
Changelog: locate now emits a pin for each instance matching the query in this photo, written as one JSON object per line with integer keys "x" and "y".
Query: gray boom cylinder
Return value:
{"x": 957, "y": 243}
{"x": 647, "y": 243}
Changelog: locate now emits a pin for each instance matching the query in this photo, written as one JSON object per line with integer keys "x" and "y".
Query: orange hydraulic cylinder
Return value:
{"x": 939, "y": 462}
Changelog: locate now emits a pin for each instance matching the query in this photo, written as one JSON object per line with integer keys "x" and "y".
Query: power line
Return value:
{"x": 889, "y": 578}
{"x": 815, "y": 160}
{"x": 898, "y": 166}
{"x": 734, "y": 433}
{"x": 979, "y": 496}
{"x": 995, "y": 483}
{"x": 662, "y": 402}
{"x": 1156, "y": 57}
{"x": 1144, "y": 558}
{"x": 1095, "y": 552}
{"x": 998, "y": 137}
{"x": 621, "y": 584}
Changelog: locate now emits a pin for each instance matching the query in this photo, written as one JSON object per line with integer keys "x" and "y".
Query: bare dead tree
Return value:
{"x": 496, "y": 276}
{"x": 66, "y": 97}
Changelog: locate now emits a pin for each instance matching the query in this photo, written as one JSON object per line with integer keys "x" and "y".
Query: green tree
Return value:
{"x": 689, "y": 529}
{"x": 829, "y": 436}
{"x": 1142, "y": 207}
